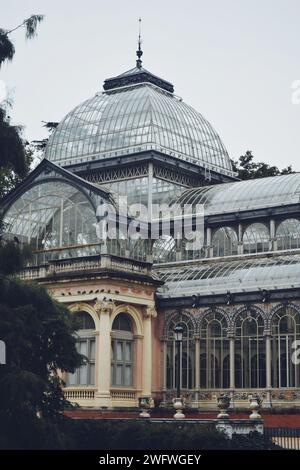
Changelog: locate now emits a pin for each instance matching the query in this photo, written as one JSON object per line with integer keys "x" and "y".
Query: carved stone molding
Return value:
{"x": 104, "y": 306}
{"x": 150, "y": 312}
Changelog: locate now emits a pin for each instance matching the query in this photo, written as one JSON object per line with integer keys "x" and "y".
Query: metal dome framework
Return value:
{"x": 136, "y": 118}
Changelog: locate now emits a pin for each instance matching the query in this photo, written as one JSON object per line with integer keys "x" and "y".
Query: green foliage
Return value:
{"x": 124, "y": 435}
{"x": 31, "y": 25}
{"x": 40, "y": 145}
{"x": 9, "y": 179}
{"x": 248, "y": 169}
{"x": 12, "y": 150}
{"x": 39, "y": 337}
{"x": 7, "y": 50}
{"x": 13, "y": 257}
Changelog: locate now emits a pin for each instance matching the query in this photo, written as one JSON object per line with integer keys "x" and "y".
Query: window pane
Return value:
{"x": 92, "y": 374}
{"x": 127, "y": 351}
{"x": 83, "y": 375}
{"x": 119, "y": 374}
{"x": 128, "y": 375}
{"x": 119, "y": 351}
{"x": 83, "y": 347}
{"x": 72, "y": 379}
{"x": 92, "y": 349}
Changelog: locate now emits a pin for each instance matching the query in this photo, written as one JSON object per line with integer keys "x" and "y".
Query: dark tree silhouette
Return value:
{"x": 247, "y": 169}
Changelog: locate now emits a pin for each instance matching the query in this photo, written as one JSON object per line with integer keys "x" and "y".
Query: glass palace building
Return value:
{"x": 237, "y": 296}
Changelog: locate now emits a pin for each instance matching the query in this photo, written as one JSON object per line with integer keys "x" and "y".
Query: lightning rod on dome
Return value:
{"x": 139, "y": 52}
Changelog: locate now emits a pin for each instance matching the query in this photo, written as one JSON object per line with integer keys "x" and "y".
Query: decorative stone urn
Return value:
{"x": 178, "y": 405}
{"x": 145, "y": 404}
{"x": 223, "y": 405}
{"x": 255, "y": 405}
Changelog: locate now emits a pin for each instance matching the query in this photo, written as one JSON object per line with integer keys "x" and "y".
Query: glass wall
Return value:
{"x": 244, "y": 345}
{"x": 214, "y": 351}
{"x": 256, "y": 239}
{"x": 250, "y": 357}
{"x": 225, "y": 242}
{"x": 288, "y": 234}
{"x": 187, "y": 355}
{"x": 285, "y": 341}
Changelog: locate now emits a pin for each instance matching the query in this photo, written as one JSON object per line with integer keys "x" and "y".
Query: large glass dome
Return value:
{"x": 133, "y": 118}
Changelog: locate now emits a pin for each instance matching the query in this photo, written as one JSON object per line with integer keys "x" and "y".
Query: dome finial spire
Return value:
{"x": 139, "y": 52}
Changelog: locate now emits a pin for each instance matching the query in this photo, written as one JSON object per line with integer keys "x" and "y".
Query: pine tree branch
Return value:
{"x": 30, "y": 24}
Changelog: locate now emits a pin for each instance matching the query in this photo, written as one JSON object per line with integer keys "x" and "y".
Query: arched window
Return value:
{"x": 225, "y": 242}
{"x": 214, "y": 351}
{"x": 187, "y": 354}
{"x": 285, "y": 334}
{"x": 86, "y": 345}
{"x": 288, "y": 235}
{"x": 122, "y": 351}
{"x": 250, "y": 358}
{"x": 256, "y": 239}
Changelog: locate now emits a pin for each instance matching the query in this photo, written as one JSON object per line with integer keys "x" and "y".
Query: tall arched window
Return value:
{"x": 225, "y": 242}
{"x": 256, "y": 239}
{"x": 288, "y": 235}
{"x": 86, "y": 345}
{"x": 285, "y": 333}
{"x": 122, "y": 351}
{"x": 250, "y": 356}
{"x": 187, "y": 354}
{"x": 214, "y": 351}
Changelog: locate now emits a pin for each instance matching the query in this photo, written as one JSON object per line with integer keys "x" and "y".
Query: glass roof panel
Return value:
{"x": 233, "y": 276}
{"x": 243, "y": 195}
{"x": 135, "y": 118}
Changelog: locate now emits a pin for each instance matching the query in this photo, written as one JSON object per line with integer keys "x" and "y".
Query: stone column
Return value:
{"x": 104, "y": 308}
{"x": 268, "y": 360}
{"x": 149, "y": 312}
{"x": 138, "y": 365}
{"x": 197, "y": 366}
{"x": 232, "y": 362}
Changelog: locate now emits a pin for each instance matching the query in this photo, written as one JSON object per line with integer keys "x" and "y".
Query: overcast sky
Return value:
{"x": 234, "y": 61}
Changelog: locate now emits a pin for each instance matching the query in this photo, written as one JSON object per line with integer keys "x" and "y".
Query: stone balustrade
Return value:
{"x": 85, "y": 264}
{"x": 76, "y": 393}
{"x": 123, "y": 395}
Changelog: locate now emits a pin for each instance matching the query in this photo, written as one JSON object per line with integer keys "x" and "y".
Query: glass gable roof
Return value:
{"x": 136, "y": 118}
{"x": 243, "y": 195}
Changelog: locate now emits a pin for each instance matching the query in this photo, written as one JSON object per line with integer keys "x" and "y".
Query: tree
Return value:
{"x": 9, "y": 179}
{"x": 12, "y": 149}
{"x": 40, "y": 145}
{"x": 7, "y": 49}
{"x": 38, "y": 332}
{"x": 247, "y": 169}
